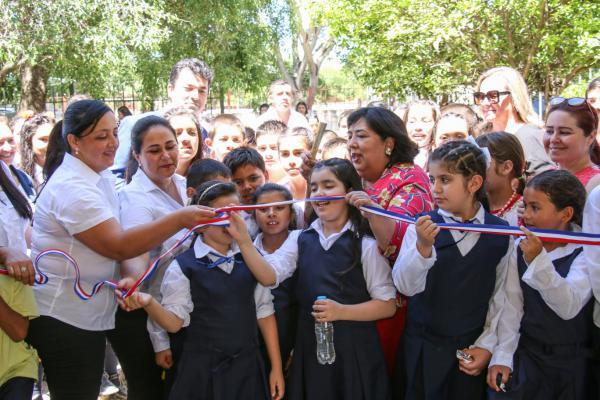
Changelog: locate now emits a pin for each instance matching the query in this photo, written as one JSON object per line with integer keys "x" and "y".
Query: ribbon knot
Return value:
{"x": 220, "y": 260}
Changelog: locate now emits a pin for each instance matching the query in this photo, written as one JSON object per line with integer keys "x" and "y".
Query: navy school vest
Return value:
{"x": 459, "y": 288}
{"x": 542, "y": 324}
{"x": 224, "y": 315}
{"x": 327, "y": 272}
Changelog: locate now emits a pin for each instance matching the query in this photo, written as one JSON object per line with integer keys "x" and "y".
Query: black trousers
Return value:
{"x": 18, "y": 388}
{"x": 132, "y": 345}
{"x": 73, "y": 358}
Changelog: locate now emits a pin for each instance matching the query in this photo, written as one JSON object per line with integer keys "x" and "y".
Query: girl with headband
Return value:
{"x": 214, "y": 307}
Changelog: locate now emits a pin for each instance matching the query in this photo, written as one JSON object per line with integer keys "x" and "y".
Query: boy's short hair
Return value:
{"x": 332, "y": 144}
{"x": 298, "y": 131}
{"x": 225, "y": 119}
{"x": 242, "y": 156}
{"x": 205, "y": 170}
{"x": 272, "y": 127}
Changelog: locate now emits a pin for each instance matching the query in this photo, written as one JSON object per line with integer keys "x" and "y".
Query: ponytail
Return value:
{"x": 55, "y": 152}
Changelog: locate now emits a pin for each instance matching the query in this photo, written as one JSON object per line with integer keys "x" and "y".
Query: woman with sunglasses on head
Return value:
{"x": 503, "y": 99}
{"x": 569, "y": 139}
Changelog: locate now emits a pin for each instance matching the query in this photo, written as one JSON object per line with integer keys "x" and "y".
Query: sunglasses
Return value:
{"x": 493, "y": 96}
{"x": 574, "y": 102}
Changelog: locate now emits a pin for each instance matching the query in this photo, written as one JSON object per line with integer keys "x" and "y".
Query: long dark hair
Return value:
{"x": 387, "y": 124}
{"x": 16, "y": 198}
{"x": 138, "y": 133}
{"x": 192, "y": 113}
{"x": 81, "y": 117}
{"x": 344, "y": 171}
{"x": 464, "y": 158}
{"x": 28, "y": 131}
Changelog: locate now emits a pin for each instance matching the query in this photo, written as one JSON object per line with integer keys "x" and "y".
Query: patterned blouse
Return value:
{"x": 402, "y": 188}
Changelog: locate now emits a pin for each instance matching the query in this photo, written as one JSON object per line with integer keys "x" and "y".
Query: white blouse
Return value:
{"x": 74, "y": 200}
{"x": 411, "y": 270}
{"x": 376, "y": 269}
{"x": 143, "y": 202}
{"x": 176, "y": 292}
{"x": 565, "y": 296}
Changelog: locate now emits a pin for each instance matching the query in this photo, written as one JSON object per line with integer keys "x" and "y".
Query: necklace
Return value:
{"x": 507, "y": 206}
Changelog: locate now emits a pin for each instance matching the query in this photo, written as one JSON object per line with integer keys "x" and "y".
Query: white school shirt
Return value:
{"x": 143, "y": 202}
{"x": 375, "y": 267}
{"x": 411, "y": 269}
{"x": 74, "y": 200}
{"x": 296, "y": 119}
{"x": 176, "y": 292}
{"x": 565, "y": 296}
{"x": 591, "y": 224}
{"x": 12, "y": 225}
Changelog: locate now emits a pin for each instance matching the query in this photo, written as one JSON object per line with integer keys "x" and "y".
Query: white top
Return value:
{"x": 375, "y": 267}
{"x": 143, "y": 202}
{"x": 296, "y": 119}
{"x": 411, "y": 269}
{"x": 591, "y": 224}
{"x": 177, "y": 296}
{"x": 565, "y": 296}
{"x": 74, "y": 200}
{"x": 12, "y": 226}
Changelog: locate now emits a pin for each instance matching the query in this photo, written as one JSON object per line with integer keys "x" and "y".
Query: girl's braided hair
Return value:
{"x": 464, "y": 158}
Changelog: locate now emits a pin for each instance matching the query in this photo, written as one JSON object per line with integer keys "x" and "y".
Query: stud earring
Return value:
{"x": 388, "y": 151}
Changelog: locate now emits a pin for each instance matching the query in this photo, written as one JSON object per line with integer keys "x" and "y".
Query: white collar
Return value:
{"x": 82, "y": 170}
{"x": 479, "y": 217}
{"x": 201, "y": 249}
{"x": 141, "y": 179}
{"x": 317, "y": 226}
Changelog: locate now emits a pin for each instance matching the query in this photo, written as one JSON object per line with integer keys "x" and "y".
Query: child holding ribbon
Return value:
{"x": 545, "y": 332}
{"x": 336, "y": 258}
{"x": 276, "y": 224}
{"x": 454, "y": 280}
{"x": 210, "y": 290}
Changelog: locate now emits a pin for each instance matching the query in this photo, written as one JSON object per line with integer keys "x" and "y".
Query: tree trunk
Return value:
{"x": 313, "y": 85}
{"x": 33, "y": 88}
{"x": 222, "y": 100}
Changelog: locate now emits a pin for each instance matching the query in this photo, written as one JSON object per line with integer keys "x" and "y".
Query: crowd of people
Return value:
{"x": 229, "y": 312}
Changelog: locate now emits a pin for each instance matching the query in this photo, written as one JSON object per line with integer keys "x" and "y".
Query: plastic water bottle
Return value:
{"x": 324, "y": 336}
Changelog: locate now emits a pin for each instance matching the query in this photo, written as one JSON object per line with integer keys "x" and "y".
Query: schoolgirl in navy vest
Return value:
{"x": 545, "y": 330}
{"x": 454, "y": 281}
{"x": 335, "y": 258}
{"x": 276, "y": 224}
{"x": 210, "y": 290}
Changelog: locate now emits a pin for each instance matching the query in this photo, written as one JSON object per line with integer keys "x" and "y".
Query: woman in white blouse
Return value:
{"x": 155, "y": 190}
{"x": 78, "y": 212}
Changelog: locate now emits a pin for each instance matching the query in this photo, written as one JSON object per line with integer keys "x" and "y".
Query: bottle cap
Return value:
{"x": 321, "y": 297}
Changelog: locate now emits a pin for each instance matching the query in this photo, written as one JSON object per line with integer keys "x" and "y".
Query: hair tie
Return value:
{"x": 484, "y": 150}
{"x": 208, "y": 190}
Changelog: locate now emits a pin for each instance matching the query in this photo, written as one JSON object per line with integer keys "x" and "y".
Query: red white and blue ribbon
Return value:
{"x": 222, "y": 220}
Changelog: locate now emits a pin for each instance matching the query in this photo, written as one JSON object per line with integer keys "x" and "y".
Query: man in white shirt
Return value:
{"x": 189, "y": 84}
{"x": 281, "y": 97}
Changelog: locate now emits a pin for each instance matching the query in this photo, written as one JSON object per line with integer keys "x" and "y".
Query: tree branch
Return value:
{"x": 510, "y": 39}
{"x": 537, "y": 37}
{"x": 282, "y": 68}
{"x": 8, "y": 68}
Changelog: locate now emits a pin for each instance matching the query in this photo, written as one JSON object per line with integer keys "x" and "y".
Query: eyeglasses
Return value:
{"x": 493, "y": 96}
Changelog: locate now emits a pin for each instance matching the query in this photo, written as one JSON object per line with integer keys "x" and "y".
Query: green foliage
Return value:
{"x": 105, "y": 45}
{"x": 404, "y": 47}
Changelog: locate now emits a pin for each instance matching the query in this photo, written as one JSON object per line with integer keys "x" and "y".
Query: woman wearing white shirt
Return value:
{"x": 78, "y": 212}
{"x": 155, "y": 190}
